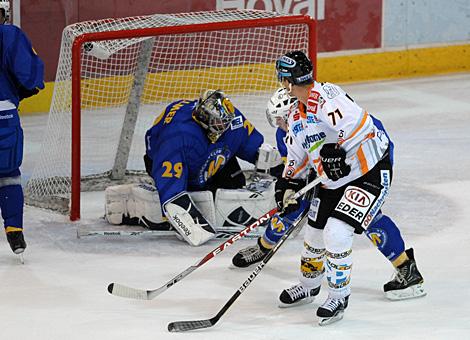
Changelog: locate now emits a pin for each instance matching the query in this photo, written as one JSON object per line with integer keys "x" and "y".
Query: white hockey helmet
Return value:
{"x": 279, "y": 105}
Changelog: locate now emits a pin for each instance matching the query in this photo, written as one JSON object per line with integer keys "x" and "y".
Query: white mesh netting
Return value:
{"x": 238, "y": 61}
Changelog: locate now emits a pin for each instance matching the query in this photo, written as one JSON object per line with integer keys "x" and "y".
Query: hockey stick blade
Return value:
{"x": 143, "y": 294}
{"x": 128, "y": 292}
{"x": 183, "y": 326}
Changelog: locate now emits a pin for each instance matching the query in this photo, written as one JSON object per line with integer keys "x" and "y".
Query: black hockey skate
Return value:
{"x": 250, "y": 255}
{"x": 332, "y": 310}
{"x": 407, "y": 282}
{"x": 297, "y": 295}
{"x": 16, "y": 240}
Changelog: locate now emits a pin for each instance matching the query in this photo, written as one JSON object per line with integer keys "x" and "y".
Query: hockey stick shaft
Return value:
{"x": 134, "y": 293}
{"x": 182, "y": 326}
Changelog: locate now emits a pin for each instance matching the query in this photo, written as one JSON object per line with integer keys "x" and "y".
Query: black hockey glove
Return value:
{"x": 284, "y": 190}
{"x": 333, "y": 161}
{"x": 148, "y": 164}
{"x": 23, "y": 92}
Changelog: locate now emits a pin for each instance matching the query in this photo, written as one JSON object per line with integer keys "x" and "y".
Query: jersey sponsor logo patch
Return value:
{"x": 355, "y": 203}
{"x": 297, "y": 128}
{"x": 312, "y": 107}
{"x": 310, "y": 139}
{"x": 331, "y": 91}
{"x": 385, "y": 181}
{"x": 237, "y": 123}
{"x": 314, "y": 95}
{"x": 357, "y": 196}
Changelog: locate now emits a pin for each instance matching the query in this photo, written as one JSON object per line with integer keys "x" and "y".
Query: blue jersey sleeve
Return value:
{"x": 251, "y": 141}
{"x": 169, "y": 168}
{"x": 25, "y": 70}
{"x": 281, "y": 144}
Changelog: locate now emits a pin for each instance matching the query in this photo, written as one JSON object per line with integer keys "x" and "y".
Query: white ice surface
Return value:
{"x": 60, "y": 292}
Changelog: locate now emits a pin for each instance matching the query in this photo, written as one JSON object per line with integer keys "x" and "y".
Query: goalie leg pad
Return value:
{"x": 204, "y": 200}
{"x": 241, "y": 207}
{"x": 187, "y": 219}
{"x": 133, "y": 201}
{"x": 116, "y": 198}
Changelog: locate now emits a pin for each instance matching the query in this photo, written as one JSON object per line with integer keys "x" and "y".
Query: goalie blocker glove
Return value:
{"x": 333, "y": 160}
{"x": 284, "y": 190}
{"x": 187, "y": 219}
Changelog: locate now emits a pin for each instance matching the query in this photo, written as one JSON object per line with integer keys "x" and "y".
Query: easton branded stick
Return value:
{"x": 143, "y": 294}
{"x": 183, "y": 326}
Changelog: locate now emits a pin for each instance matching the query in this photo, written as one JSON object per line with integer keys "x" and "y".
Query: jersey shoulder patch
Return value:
{"x": 237, "y": 123}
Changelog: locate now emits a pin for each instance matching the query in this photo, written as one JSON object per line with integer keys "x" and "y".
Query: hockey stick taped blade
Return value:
{"x": 183, "y": 326}
{"x": 127, "y": 292}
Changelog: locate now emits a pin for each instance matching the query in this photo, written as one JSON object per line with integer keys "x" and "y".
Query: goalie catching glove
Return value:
{"x": 284, "y": 192}
{"x": 333, "y": 160}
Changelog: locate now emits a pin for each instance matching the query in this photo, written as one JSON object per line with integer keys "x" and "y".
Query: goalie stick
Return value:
{"x": 143, "y": 294}
{"x": 183, "y": 326}
{"x": 221, "y": 234}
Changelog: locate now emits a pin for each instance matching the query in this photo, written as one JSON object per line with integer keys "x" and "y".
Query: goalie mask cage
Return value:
{"x": 115, "y": 76}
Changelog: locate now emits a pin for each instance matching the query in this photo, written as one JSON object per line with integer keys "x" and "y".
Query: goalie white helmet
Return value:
{"x": 214, "y": 112}
{"x": 278, "y": 106}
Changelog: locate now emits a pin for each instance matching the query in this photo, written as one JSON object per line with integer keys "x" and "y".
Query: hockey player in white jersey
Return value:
{"x": 339, "y": 139}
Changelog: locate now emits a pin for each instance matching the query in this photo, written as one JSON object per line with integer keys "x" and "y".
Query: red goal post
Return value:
{"x": 184, "y": 35}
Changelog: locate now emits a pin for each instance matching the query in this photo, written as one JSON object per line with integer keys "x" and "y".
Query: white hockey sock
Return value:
{"x": 338, "y": 237}
{"x": 312, "y": 258}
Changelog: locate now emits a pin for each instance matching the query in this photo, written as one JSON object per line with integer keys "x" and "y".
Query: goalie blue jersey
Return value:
{"x": 183, "y": 158}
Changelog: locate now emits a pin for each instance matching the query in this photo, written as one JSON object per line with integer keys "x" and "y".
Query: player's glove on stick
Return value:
{"x": 333, "y": 160}
{"x": 284, "y": 190}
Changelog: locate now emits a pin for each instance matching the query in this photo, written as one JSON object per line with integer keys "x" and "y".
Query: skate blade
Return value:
{"x": 247, "y": 268}
{"x": 327, "y": 321}
{"x": 20, "y": 255}
{"x": 407, "y": 293}
{"x": 305, "y": 301}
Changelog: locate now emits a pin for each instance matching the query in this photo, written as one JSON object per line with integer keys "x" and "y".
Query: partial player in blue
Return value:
{"x": 276, "y": 114}
{"x": 21, "y": 76}
{"x": 191, "y": 154}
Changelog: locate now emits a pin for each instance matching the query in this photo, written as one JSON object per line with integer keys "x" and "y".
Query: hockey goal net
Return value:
{"x": 116, "y": 75}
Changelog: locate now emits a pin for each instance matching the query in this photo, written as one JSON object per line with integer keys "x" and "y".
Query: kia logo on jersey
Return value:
{"x": 357, "y": 197}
